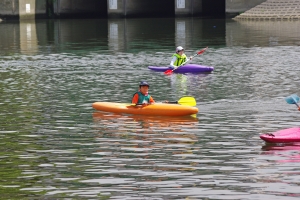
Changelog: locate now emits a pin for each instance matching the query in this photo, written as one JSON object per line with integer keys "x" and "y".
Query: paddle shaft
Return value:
{"x": 171, "y": 102}
{"x": 186, "y": 100}
{"x": 186, "y": 61}
{"x": 295, "y": 101}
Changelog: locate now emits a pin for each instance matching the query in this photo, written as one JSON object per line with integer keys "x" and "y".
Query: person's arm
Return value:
{"x": 151, "y": 100}
{"x": 135, "y": 99}
{"x": 188, "y": 58}
{"x": 173, "y": 61}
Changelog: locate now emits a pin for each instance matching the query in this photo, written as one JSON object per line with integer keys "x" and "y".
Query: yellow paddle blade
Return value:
{"x": 187, "y": 101}
{"x": 194, "y": 115}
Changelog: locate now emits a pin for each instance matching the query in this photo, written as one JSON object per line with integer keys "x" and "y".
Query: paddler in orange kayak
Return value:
{"x": 142, "y": 96}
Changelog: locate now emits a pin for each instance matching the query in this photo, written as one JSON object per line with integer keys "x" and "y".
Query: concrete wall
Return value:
{"x": 9, "y": 8}
{"x": 183, "y": 7}
{"x": 188, "y": 7}
{"x": 123, "y": 8}
{"x": 70, "y": 8}
{"x": 154, "y": 8}
{"x": 23, "y": 9}
{"x": 237, "y": 6}
{"x": 138, "y": 8}
{"x": 27, "y": 9}
{"x": 115, "y": 8}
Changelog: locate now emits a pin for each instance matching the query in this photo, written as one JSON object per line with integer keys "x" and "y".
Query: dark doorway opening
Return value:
{"x": 77, "y": 9}
{"x": 215, "y": 8}
{"x": 153, "y": 8}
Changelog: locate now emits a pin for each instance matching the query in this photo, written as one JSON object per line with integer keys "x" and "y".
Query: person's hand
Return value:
{"x": 299, "y": 108}
{"x": 166, "y": 101}
{"x": 191, "y": 57}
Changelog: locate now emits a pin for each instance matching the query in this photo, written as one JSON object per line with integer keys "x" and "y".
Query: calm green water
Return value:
{"x": 55, "y": 146}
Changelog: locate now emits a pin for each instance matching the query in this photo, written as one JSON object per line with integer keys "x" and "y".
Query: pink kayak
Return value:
{"x": 282, "y": 136}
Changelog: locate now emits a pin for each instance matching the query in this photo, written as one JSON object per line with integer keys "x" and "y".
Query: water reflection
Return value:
{"x": 263, "y": 33}
{"x": 114, "y": 41}
{"x": 146, "y": 122}
{"x": 145, "y": 134}
{"x": 112, "y": 34}
{"x": 137, "y": 34}
{"x": 283, "y": 152}
{"x": 54, "y": 146}
{"x": 140, "y": 147}
{"x": 28, "y": 37}
{"x": 183, "y": 83}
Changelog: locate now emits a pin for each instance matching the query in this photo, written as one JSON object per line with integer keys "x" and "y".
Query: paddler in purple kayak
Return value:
{"x": 178, "y": 58}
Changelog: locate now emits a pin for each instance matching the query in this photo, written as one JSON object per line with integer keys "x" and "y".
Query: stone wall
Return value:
{"x": 238, "y": 6}
{"x": 273, "y": 10}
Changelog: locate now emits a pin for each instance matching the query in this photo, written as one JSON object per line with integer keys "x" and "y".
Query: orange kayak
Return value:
{"x": 162, "y": 109}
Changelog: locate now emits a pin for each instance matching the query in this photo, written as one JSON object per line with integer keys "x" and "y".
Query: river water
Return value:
{"x": 55, "y": 146}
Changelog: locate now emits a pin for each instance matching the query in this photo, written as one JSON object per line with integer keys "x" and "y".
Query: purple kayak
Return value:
{"x": 188, "y": 68}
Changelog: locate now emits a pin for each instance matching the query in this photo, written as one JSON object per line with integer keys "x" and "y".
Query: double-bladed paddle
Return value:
{"x": 170, "y": 71}
{"x": 293, "y": 99}
{"x": 185, "y": 100}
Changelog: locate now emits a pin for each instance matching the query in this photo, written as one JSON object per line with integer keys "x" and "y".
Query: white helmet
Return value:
{"x": 179, "y": 48}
